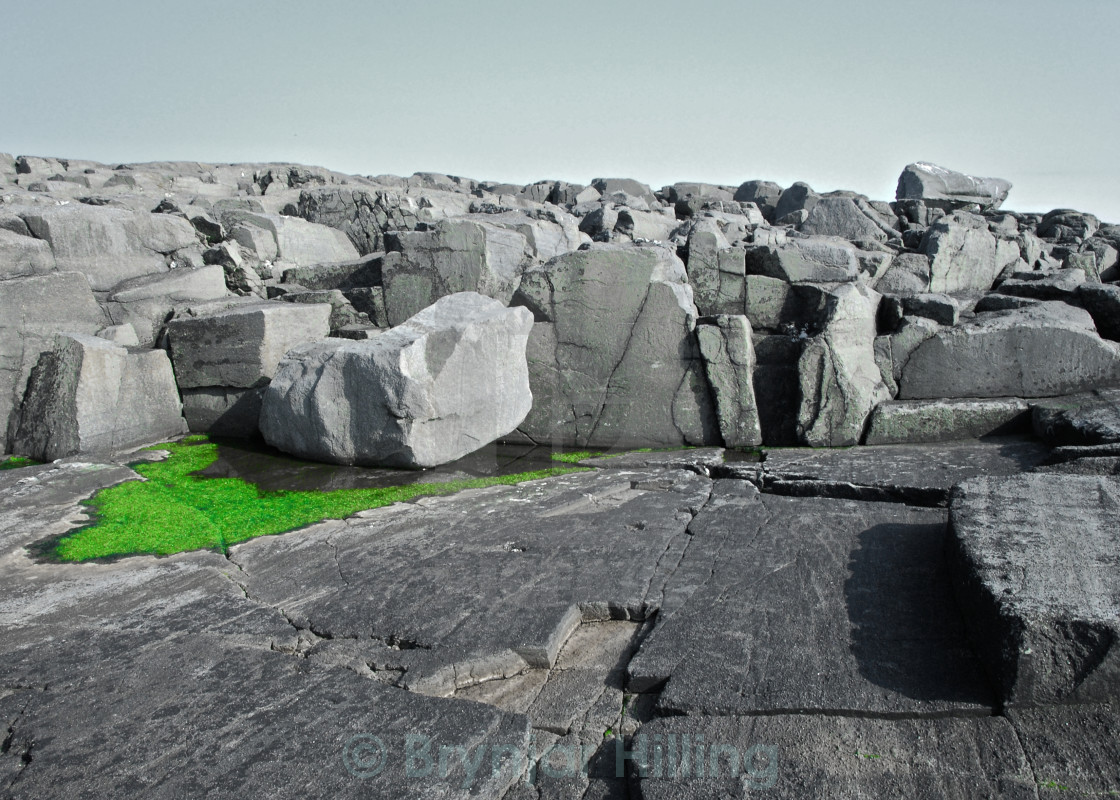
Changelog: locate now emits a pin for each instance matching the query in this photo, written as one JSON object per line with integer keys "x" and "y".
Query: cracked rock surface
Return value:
{"x": 606, "y": 634}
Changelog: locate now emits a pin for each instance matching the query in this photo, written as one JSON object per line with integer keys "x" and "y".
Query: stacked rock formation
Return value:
{"x": 693, "y": 315}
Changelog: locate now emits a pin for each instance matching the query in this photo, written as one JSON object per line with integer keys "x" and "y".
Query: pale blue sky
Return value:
{"x": 838, "y": 94}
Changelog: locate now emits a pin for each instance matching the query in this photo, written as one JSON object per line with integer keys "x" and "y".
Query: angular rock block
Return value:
{"x": 728, "y": 351}
{"x": 1045, "y": 350}
{"x": 107, "y": 244}
{"x": 613, "y": 359}
{"x": 89, "y": 395}
{"x": 925, "y": 181}
{"x": 147, "y": 302}
{"x": 817, "y": 259}
{"x": 223, "y": 410}
{"x": 963, "y": 253}
{"x": 840, "y": 379}
{"x": 32, "y": 311}
{"x": 1092, "y": 418}
{"x": 443, "y": 384}
{"x": 1033, "y": 561}
{"x": 241, "y": 346}
{"x": 294, "y": 240}
{"x": 22, "y": 255}
{"x": 908, "y": 421}
{"x": 847, "y": 217}
{"x": 455, "y": 256}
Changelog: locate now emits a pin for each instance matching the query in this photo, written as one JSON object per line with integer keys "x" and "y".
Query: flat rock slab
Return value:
{"x": 811, "y": 756}
{"x": 913, "y": 421}
{"x": 1074, "y": 750}
{"x": 1035, "y": 563}
{"x": 449, "y": 592}
{"x": 799, "y": 605}
{"x": 697, "y": 459}
{"x": 920, "y": 474}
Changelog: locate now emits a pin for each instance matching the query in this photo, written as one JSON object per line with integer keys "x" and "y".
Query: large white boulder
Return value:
{"x": 441, "y": 385}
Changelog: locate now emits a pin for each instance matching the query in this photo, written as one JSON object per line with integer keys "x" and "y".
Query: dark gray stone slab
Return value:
{"x": 507, "y": 573}
{"x": 1074, "y": 750}
{"x": 799, "y": 605}
{"x": 1034, "y": 562}
{"x": 1092, "y": 418}
{"x": 920, "y": 473}
{"x": 791, "y": 756}
{"x": 903, "y": 421}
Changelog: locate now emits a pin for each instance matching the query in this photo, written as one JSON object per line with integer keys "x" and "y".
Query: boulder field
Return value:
{"x": 873, "y": 552}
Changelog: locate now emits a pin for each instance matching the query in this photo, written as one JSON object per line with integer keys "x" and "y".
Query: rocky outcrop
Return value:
{"x": 433, "y": 389}
{"x": 728, "y": 352}
{"x": 929, "y": 182}
{"x": 613, "y": 359}
{"x": 88, "y": 395}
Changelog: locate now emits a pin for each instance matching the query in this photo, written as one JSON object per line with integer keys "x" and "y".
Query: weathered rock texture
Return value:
{"x": 449, "y": 380}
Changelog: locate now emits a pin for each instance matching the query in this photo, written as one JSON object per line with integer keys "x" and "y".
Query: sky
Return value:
{"x": 841, "y": 95}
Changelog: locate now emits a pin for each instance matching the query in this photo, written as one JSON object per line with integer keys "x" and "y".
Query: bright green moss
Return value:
{"x": 15, "y": 462}
{"x": 174, "y": 510}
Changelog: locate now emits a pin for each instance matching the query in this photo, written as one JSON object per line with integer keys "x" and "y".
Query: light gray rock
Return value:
{"x": 902, "y": 421}
{"x": 1091, "y": 418}
{"x": 963, "y": 254}
{"x": 547, "y": 234}
{"x": 715, "y": 270}
{"x": 613, "y": 360}
{"x": 1067, "y": 226}
{"x": 148, "y": 302}
{"x": 798, "y": 197}
{"x": 223, "y": 410}
{"x": 728, "y": 352}
{"x": 776, "y": 565}
{"x": 1046, "y": 350}
{"x": 124, "y": 335}
{"x": 241, "y": 346}
{"x": 929, "y": 182}
{"x": 1033, "y": 561}
{"x": 454, "y": 256}
{"x": 448, "y": 381}
{"x": 908, "y": 273}
{"x": 23, "y": 255}
{"x": 294, "y": 240}
{"x": 789, "y": 756}
{"x": 941, "y": 308}
{"x": 109, "y": 245}
{"x": 343, "y": 313}
{"x": 839, "y": 376}
{"x": 625, "y": 186}
{"x": 32, "y": 311}
{"x": 91, "y": 396}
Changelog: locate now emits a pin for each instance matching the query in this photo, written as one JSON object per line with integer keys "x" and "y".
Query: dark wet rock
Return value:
{"x": 902, "y": 421}
{"x": 1045, "y": 350}
{"x": 365, "y": 271}
{"x": 931, "y": 183}
{"x": 1092, "y": 418}
{"x": 223, "y": 410}
{"x": 433, "y": 389}
{"x": 241, "y": 346}
{"x": 1034, "y": 565}
{"x": 795, "y": 756}
{"x": 1102, "y": 301}
{"x": 775, "y": 565}
{"x": 364, "y": 214}
{"x": 920, "y": 474}
{"x": 777, "y": 387}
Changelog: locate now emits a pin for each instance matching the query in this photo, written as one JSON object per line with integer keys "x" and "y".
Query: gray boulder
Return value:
{"x": 963, "y": 253}
{"x": 840, "y": 379}
{"x": 1058, "y": 285}
{"x": 364, "y": 214}
{"x": 850, "y": 218}
{"x": 148, "y": 301}
{"x": 616, "y": 188}
{"x": 1033, "y": 561}
{"x": 1045, "y": 350}
{"x": 453, "y": 256}
{"x": 106, "y": 244}
{"x": 1068, "y": 226}
{"x": 908, "y": 273}
{"x": 293, "y": 240}
{"x": 817, "y": 259}
{"x": 242, "y": 346}
{"x": 1091, "y": 418}
{"x": 929, "y": 182}
{"x": 356, "y": 273}
{"x": 22, "y": 255}
{"x": 613, "y": 359}
{"x": 764, "y": 194}
{"x": 728, "y": 351}
{"x": 431, "y": 390}
{"x": 941, "y": 308}
{"x": 32, "y": 311}
{"x": 1102, "y": 301}
{"x": 715, "y": 270}
{"x": 223, "y": 410}
{"x": 91, "y": 396}
{"x": 909, "y": 421}
{"x": 798, "y": 197}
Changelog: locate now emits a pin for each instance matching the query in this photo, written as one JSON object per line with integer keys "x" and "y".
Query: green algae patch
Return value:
{"x": 174, "y": 510}
{"x": 15, "y": 462}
